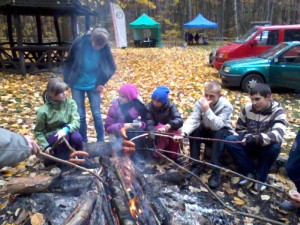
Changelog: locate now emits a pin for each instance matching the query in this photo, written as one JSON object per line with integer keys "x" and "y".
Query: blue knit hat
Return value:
{"x": 161, "y": 94}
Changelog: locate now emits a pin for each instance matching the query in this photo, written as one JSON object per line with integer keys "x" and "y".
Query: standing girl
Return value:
{"x": 57, "y": 118}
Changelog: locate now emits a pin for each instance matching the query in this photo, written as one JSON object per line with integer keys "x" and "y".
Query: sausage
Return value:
{"x": 79, "y": 153}
{"x": 76, "y": 161}
{"x": 128, "y": 143}
{"x": 126, "y": 149}
{"x": 123, "y": 133}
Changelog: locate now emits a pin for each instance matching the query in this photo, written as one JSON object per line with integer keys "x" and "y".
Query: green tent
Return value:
{"x": 145, "y": 27}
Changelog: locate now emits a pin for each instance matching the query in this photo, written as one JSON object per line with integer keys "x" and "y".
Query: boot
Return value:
{"x": 214, "y": 180}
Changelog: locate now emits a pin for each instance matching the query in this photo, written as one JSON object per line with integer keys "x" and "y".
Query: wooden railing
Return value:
{"x": 31, "y": 59}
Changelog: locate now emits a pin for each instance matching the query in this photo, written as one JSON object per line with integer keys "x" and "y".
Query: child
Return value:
{"x": 57, "y": 118}
{"x": 125, "y": 110}
{"x": 163, "y": 116}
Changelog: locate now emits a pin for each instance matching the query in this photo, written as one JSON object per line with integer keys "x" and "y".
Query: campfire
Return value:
{"x": 128, "y": 190}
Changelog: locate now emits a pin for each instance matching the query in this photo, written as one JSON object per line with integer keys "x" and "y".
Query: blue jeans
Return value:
{"x": 266, "y": 157}
{"x": 94, "y": 99}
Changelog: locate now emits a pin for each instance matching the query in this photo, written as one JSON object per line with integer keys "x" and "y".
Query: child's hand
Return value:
{"x": 99, "y": 88}
{"x": 60, "y": 134}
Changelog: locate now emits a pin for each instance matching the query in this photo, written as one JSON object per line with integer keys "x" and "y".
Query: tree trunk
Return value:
{"x": 236, "y": 18}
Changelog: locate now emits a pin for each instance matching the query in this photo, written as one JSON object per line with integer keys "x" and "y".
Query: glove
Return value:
{"x": 251, "y": 140}
{"x": 152, "y": 135}
{"x": 128, "y": 146}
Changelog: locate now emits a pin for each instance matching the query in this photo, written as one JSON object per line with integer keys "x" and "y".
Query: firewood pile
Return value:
{"x": 135, "y": 190}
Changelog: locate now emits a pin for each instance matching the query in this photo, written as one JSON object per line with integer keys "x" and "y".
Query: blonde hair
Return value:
{"x": 213, "y": 85}
{"x": 55, "y": 87}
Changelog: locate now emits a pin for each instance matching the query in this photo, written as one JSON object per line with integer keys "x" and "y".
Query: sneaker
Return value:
{"x": 195, "y": 169}
{"x": 244, "y": 182}
{"x": 259, "y": 187}
{"x": 287, "y": 206}
{"x": 214, "y": 180}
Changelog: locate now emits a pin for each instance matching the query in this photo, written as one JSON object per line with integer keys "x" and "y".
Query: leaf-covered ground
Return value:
{"x": 183, "y": 70}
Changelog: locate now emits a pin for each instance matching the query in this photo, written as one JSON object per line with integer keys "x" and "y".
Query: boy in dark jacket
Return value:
{"x": 163, "y": 116}
{"x": 261, "y": 126}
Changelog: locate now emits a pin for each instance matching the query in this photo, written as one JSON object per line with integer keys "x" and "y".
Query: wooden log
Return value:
{"x": 27, "y": 185}
{"x": 83, "y": 210}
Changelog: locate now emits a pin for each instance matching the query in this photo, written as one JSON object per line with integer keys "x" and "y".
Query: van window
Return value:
{"x": 247, "y": 36}
{"x": 292, "y": 35}
{"x": 272, "y": 37}
{"x": 262, "y": 38}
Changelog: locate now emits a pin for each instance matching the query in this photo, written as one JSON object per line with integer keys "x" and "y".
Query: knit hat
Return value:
{"x": 161, "y": 94}
{"x": 129, "y": 91}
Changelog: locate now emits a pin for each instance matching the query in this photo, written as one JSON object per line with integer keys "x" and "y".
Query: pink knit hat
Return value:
{"x": 129, "y": 91}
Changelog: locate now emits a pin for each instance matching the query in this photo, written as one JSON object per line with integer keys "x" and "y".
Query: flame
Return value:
{"x": 132, "y": 207}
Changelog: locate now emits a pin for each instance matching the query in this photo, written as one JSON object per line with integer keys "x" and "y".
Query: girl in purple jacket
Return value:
{"x": 124, "y": 110}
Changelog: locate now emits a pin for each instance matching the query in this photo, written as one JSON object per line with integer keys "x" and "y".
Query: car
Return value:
{"x": 212, "y": 55}
{"x": 256, "y": 41}
{"x": 278, "y": 67}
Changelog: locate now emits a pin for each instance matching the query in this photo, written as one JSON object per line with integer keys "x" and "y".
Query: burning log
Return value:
{"x": 82, "y": 211}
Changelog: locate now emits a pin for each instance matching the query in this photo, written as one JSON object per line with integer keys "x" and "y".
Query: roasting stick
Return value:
{"x": 212, "y": 165}
{"x": 170, "y": 135}
{"x": 232, "y": 210}
{"x": 67, "y": 162}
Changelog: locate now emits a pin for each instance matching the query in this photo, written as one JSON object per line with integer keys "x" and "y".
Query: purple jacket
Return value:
{"x": 115, "y": 119}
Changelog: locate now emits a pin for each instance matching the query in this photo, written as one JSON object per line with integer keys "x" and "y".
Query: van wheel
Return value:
{"x": 250, "y": 81}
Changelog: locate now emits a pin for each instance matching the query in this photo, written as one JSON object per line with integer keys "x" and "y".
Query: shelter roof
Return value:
{"x": 200, "y": 22}
{"x": 144, "y": 21}
{"x": 44, "y": 7}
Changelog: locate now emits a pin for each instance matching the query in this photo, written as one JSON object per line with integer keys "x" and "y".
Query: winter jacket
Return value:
{"x": 14, "y": 148}
{"x": 167, "y": 114}
{"x": 115, "y": 119}
{"x": 216, "y": 117}
{"x": 53, "y": 116}
{"x": 73, "y": 64}
{"x": 269, "y": 125}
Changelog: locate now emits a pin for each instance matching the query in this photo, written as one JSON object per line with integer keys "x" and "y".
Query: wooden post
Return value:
{"x": 39, "y": 28}
{"x": 20, "y": 44}
{"x": 10, "y": 34}
{"x": 56, "y": 25}
{"x": 74, "y": 26}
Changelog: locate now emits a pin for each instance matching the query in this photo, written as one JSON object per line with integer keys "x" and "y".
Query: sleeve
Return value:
{"x": 107, "y": 66}
{"x": 111, "y": 124}
{"x": 70, "y": 60}
{"x": 241, "y": 125}
{"x": 40, "y": 128}
{"x": 14, "y": 148}
{"x": 193, "y": 121}
{"x": 74, "y": 118}
{"x": 216, "y": 122}
{"x": 276, "y": 134}
{"x": 150, "y": 120}
{"x": 176, "y": 119}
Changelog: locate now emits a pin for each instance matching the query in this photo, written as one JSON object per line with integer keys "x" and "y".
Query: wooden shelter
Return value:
{"x": 26, "y": 48}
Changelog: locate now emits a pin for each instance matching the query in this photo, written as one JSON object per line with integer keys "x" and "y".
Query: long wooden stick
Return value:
{"x": 73, "y": 165}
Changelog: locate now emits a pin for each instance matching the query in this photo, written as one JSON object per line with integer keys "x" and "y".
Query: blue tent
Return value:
{"x": 200, "y": 22}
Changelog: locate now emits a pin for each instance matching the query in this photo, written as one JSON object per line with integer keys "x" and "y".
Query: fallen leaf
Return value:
{"x": 203, "y": 189}
{"x": 265, "y": 197}
{"x": 220, "y": 194}
{"x": 37, "y": 219}
{"x": 241, "y": 194}
{"x": 238, "y": 201}
{"x": 235, "y": 180}
{"x": 230, "y": 191}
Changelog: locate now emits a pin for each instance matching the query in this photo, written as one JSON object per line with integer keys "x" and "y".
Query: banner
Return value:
{"x": 118, "y": 18}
